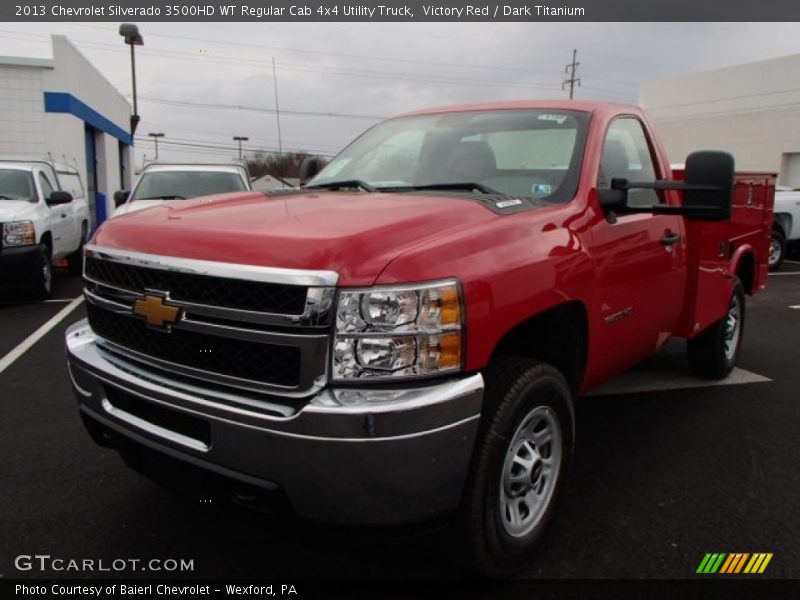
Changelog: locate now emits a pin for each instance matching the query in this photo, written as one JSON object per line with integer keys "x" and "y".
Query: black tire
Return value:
{"x": 777, "y": 249}
{"x": 75, "y": 260}
{"x": 516, "y": 389}
{"x": 41, "y": 286}
{"x": 709, "y": 354}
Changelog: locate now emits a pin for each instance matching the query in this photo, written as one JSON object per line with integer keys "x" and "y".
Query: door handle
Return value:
{"x": 670, "y": 239}
{"x": 63, "y": 216}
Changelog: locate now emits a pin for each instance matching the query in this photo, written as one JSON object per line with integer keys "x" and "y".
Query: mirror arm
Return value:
{"x": 620, "y": 183}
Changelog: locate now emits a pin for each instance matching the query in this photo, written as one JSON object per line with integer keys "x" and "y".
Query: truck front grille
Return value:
{"x": 263, "y": 331}
{"x": 201, "y": 289}
{"x": 268, "y": 363}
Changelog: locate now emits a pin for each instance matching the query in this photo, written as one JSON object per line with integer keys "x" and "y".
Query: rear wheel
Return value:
{"x": 42, "y": 280}
{"x": 777, "y": 249}
{"x": 713, "y": 353}
{"x": 520, "y": 464}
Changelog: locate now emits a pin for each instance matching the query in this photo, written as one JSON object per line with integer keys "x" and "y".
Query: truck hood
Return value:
{"x": 354, "y": 234}
{"x": 130, "y": 207}
{"x": 17, "y": 210}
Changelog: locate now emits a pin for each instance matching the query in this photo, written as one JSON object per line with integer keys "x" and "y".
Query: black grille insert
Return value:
{"x": 202, "y": 289}
{"x": 268, "y": 363}
{"x": 169, "y": 419}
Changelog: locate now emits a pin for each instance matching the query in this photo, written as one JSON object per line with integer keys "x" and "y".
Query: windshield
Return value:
{"x": 531, "y": 152}
{"x": 16, "y": 184}
{"x": 168, "y": 185}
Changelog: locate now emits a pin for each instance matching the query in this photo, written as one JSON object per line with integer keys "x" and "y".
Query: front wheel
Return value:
{"x": 42, "y": 279}
{"x": 713, "y": 353}
{"x": 520, "y": 464}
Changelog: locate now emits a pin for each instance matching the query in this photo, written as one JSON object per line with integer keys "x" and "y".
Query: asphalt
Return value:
{"x": 660, "y": 478}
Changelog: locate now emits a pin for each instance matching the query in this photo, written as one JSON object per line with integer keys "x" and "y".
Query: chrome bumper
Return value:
{"x": 348, "y": 456}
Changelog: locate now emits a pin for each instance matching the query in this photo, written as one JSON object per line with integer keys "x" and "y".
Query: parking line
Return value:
{"x": 796, "y": 307}
{"x": 794, "y": 262}
{"x": 26, "y": 344}
{"x": 789, "y": 273}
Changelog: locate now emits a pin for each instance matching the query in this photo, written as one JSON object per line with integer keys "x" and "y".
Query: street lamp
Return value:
{"x": 240, "y": 139}
{"x": 130, "y": 32}
{"x": 155, "y": 137}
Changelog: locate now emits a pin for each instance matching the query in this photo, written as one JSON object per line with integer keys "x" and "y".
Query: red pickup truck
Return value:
{"x": 405, "y": 337}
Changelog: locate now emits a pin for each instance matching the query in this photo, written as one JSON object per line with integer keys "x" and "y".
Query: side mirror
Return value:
{"x": 121, "y": 197}
{"x": 707, "y": 189}
{"x": 58, "y": 198}
{"x": 309, "y": 168}
{"x": 709, "y": 186}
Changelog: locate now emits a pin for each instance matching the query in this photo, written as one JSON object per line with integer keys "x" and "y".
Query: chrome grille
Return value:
{"x": 243, "y": 331}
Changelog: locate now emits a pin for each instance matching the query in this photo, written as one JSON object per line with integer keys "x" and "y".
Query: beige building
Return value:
{"x": 750, "y": 110}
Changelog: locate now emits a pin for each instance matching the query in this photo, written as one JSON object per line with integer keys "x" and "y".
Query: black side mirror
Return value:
{"x": 707, "y": 189}
{"x": 709, "y": 185}
{"x": 309, "y": 168}
{"x": 58, "y": 198}
{"x": 121, "y": 197}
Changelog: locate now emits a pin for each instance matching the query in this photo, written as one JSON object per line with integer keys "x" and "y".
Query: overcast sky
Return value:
{"x": 376, "y": 70}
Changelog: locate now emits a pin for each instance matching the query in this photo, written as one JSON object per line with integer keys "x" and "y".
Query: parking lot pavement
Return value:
{"x": 660, "y": 478}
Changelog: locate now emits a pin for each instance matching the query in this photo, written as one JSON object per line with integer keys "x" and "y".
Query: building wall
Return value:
{"x": 22, "y": 121}
{"x": 752, "y": 111}
{"x": 45, "y": 106}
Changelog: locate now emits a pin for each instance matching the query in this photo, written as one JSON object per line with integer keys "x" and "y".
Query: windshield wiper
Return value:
{"x": 462, "y": 186}
{"x": 164, "y": 197}
{"x": 345, "y": 183}
{"x": 2, "y": 197}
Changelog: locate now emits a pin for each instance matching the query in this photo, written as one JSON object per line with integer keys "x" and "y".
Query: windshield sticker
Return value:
{"x": 557, "y": 118}
{"x": 507, "y": 203}
{"x": 541, "y": 189}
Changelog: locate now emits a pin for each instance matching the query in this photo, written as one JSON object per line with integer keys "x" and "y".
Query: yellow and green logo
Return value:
{"x": 734, "y": 562}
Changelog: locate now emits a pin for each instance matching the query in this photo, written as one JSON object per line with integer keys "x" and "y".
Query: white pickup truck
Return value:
{"x": 786, "y": 228}
{"x": 44, "y": 215}
{"x": 161, "y": 181}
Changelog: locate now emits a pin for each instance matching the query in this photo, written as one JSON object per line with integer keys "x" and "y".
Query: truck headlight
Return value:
{"x": 18, "y": 233}
{"x": 398, "y": 331}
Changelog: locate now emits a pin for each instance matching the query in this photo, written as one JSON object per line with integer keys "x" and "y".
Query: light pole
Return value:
{"x": 155, "y": 137}
{"x": 130, "y": 32}
{"x": 240, "y": 139}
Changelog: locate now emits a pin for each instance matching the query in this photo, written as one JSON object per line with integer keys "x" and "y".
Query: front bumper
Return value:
{"x": 389, "y": 463}
{"x": 19, "y": 264}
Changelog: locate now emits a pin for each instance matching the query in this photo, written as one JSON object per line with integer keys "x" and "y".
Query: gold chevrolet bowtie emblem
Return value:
{"x": 155, "y": 311}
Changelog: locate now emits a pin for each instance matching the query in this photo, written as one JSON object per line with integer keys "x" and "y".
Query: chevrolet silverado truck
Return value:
{"x": 42, "y": 222}
{"x": 405, "y": 337}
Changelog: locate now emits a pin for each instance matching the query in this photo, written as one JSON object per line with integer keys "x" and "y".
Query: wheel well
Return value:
{"x": 47, "y": 240}
{"x": 746, "y": 272}
{"x": 782, "y": 223}
{"x": 557, "y": 336}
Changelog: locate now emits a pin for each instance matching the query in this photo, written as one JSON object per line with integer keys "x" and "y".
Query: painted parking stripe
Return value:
{"x": 28, "y": 342}
{"x": 795, "y": 306}
{"x": 635, "y": 382}
{"x": 784, "y": 274}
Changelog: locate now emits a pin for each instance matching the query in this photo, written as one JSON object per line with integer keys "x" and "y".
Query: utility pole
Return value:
{"x": 570, "y": 68}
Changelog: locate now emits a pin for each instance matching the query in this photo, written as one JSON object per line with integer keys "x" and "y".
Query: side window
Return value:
{"x": 47, "y": 188}
{"x": 626, "y": 154}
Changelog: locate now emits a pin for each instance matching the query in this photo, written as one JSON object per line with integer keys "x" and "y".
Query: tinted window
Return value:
{"x": 626, "y": 155}
{"x": 16, "y": 185}
{"x": 186, "y": 184}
